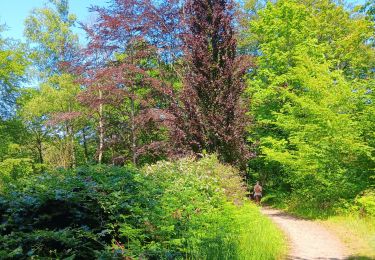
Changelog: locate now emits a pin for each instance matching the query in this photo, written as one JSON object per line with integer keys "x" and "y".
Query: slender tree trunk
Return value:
{"x": 133, "y": 137}
{"x": 72, "y": 148}
{"x": 132, "y": 115}
{"x": 113, "y": 156}
{"x": 39, "y": 144}
{"x": 69, "y": 137}
{"x": 101, "y": 129}
{"x": 86, "y": 154}
{"x": 39, "y": 147}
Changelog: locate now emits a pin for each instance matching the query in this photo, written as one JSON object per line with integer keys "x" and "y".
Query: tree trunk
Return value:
{"x": 39, "y": 148}
{"x": 69, "y": 137}
{"x": 132, "y": 115}
{"x": 86, "y": 153}
{"x": 101, "y": 129}
{"x": 133, "y": 137}
{"x": 72, "y": 149}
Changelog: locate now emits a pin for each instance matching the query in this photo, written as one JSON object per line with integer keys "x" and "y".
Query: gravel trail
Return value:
{"x": 308, "y": 240}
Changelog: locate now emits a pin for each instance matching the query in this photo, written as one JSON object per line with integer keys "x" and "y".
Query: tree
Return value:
{"x": 33, "y": 122}
{"x": 212, "y": 117}
{"x": 122, "y": 80}
{"x": 308, "y": 89}
{"x": 52, "y": 110}
{"x": 14, "y": 63}
{"x": 54, "y": 47}
{"x": 369, "y": 9}
{"x": 207, "y": 114}
{"x": 13, "y": 137}
{"x": 49, "y": 30}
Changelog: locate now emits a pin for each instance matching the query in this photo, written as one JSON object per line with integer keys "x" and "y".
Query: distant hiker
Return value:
{"x": 257, "y": 192}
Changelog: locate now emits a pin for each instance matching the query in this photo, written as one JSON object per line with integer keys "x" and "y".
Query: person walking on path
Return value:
{"x": 258, "y": 192}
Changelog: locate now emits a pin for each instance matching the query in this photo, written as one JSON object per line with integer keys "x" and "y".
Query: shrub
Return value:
{"x": 193, "y": 197}
{"x": 366, "y": 203}
{"x": 170, "y": 210}
{"x": 14, "y": 168}
{"x": 65, "y": 213}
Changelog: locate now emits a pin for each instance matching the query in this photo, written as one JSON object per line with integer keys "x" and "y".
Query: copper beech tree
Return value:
{"x": 120, "y": 72}
{"x": 197, "y": 40}
{"x": 212, "y": 116}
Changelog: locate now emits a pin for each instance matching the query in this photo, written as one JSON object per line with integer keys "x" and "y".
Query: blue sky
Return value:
{"x": 14, "y": 12}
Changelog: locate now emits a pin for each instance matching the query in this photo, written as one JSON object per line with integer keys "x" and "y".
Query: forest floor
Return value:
{"x": 307, "y": 239}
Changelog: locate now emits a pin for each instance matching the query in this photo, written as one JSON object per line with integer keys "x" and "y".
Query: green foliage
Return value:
{"x": 15, "y": 168}
{"x": 50, "y": 29}
{"x": 15, "y": 156}
{"x": 52, "y": 109}
{"x": 13, "y": 66}
{"x": 13, "y": 136}
{"x": 65, "y": 214}
{"x": 312, "y": 103}
{"x": 191, "y": 201}
{"x": 366, "y": 203}
{"x": 186, "y": 209}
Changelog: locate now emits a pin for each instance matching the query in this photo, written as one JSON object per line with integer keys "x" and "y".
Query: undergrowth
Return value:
{"x": 171, "y": 210}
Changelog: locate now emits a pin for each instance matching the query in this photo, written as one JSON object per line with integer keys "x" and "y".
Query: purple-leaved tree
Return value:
{"x": 212, "y": 116}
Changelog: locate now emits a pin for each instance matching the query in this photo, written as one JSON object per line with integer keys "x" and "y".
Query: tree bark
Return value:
{"x": 69, "y": 137}
{"x": 132, "y": 114}
{"x": 101, "y": 129}
{"x": 86, "y": 153}
{"x": 133, "y": 137}
{"x": 39, "y": 147}
{"x": 72, "y": 149}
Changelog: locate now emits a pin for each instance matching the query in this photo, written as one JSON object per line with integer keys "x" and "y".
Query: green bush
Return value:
{"x": 193, "y": 212}
{"x": 366, "y": 203}
{"x": 171, "y": 210}
{"x": 66, "y": 213}
{"x": 15, "y": 168}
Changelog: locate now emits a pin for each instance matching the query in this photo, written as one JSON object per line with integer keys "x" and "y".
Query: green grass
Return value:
{"x": 260, "y": 238}
{"x": 357, "y": 233}
{"x": 256, "y": 238}
{"x": 294, "y": 207}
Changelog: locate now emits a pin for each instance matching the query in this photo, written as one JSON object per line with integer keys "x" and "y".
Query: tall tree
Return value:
{"x": 53, "y": 110}
{"x": 49, "y": 30}
{"x": 13, "y": 67}
{"x": 207, "y": 114}
{"x": 307, "y": 91}
{"x": 122, "y": 77}
{"x": 212, "y": 116}
{"x": 53, "y": 48}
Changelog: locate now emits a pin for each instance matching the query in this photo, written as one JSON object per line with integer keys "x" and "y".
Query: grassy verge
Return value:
{"x": 357, "y": 233}
{"x": 260, "y": 238}
{"x": 249, "y": 236}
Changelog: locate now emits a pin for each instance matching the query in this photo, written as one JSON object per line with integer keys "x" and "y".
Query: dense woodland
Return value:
{"x": 140, "y": 137}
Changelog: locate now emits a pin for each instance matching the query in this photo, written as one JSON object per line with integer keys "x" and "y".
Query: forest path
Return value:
{"x": 307, "y": 239}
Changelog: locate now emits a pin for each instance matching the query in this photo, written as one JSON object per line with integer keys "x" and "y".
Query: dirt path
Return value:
{"x": 308, "y": 240}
